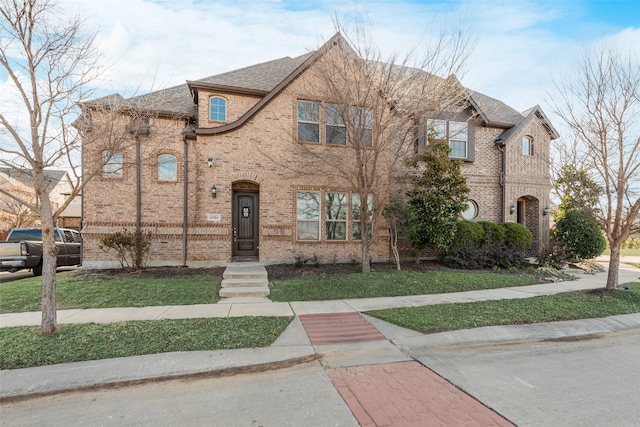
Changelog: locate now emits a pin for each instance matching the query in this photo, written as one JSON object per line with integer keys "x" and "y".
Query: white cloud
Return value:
{"x": 520, "y": 46}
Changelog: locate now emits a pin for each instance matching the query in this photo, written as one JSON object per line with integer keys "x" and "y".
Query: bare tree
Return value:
{"x": 51, "y": 65}
{"x": 600, "y": 103}
{"x": 377, "y": 107}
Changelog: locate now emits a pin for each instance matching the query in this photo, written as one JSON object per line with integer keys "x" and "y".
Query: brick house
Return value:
{"x": 20, "y": 182}
{"x": 215, "y": 177}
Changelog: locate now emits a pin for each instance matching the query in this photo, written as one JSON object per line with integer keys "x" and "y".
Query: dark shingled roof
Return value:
{"x": 174, "y": 101}
{"x": 494, "y": 111}
{"x": 263, "y": 78}
{"x": 178, "y": 101}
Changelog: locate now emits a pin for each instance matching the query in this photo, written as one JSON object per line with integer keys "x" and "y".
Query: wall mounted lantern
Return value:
{"x": 512, "y": 209}
{"x": 545, "y": 211}
{"x": 214, "y": 191}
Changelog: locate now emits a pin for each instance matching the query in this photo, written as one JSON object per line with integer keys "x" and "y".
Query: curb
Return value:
{"x": 213, "y": 373}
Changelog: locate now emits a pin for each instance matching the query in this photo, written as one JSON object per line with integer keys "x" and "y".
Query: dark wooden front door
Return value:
{"x": 245, "y": 224}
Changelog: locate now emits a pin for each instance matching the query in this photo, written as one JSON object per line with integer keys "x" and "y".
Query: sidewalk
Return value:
{"x": 294, "y": 345}
{"x": 262, "y": 307}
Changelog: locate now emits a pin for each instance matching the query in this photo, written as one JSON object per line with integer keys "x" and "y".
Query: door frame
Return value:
{"x": 254, "y": 192}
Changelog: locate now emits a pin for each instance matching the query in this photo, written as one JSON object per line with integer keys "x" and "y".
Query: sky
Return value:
{"x": 520, "y": 46}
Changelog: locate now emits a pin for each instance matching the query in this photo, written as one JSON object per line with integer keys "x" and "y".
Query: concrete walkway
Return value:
{"x": 381, "y": 360}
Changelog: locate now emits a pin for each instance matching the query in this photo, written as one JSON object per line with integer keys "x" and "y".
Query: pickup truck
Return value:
{"x": 23, "y": 249}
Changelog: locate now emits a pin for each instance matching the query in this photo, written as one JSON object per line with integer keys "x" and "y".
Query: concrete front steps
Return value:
{"x": 244, "y": 280}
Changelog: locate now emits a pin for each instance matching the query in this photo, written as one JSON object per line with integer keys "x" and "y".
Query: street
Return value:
{"x": 590, "y": 381}
{"x": 593, "y": 381}
{"x": 298, "y": 396}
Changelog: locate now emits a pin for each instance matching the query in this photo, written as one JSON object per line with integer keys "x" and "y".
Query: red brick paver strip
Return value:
{"x": 339, "y": 328}
{"x": 408, "y": 394}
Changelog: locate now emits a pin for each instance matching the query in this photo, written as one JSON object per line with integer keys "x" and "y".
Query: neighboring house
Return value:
{"x": 13, "y": 214}
{"x": 214, "y": 178}
{"x": 59, "y": 186}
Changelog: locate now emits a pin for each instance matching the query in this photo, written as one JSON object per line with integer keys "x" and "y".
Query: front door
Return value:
{"x": 245, "y": 225}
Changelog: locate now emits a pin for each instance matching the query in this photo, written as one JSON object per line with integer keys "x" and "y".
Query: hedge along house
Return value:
{"x": 243, "y": 166}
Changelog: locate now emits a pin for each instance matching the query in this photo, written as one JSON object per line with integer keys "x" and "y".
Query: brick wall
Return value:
{"x": 265, "y": 153}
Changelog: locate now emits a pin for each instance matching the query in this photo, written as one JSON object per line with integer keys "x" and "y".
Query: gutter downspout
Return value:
{"x": 185, "y": 221}
{"x": 138, "y": 185}
{"x": 503, "y": 156}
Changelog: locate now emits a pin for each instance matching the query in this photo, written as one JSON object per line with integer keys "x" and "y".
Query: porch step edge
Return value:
{"x": 252, "y": 291}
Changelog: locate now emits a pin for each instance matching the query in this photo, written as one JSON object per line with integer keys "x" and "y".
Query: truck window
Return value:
{"x": 26, "y": 234}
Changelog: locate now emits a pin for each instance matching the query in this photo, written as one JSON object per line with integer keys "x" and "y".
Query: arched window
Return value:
{"x": 527, "y": 146}
{"x": 218, "y": 109}
{"x": 167, "y": 167}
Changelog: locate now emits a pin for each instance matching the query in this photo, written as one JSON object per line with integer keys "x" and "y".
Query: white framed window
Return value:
{"x": 363, "y": 126}
{"x": 308, "y": 121}
{"x": 527, "y": 145}
{"x": 217, "y": 109}
{"x": 167, "y": 167}
{"x": 471, "y": 211}
{"x": 308, "y": 215}
{"x": 112, "y": 164}
{"x": 356, "y": 221}
{"x": 336, "y": 131}
{"x": 458, "y": 140}
{"x": 335, "y": 216}
{"x": 456, "y": 134}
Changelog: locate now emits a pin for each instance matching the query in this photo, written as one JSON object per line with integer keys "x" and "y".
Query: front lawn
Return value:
{"x": 116, "y": 288}
{"x": 389, "y": 283}
{"x": 567, "y": 306}
{"x": 24, "y": 346}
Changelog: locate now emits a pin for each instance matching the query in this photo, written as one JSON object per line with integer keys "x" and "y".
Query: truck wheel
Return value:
{"x": 37, "y": 270}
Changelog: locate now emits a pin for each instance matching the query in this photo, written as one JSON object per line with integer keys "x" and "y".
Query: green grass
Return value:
{"x": 568, "y": 306}
{"x": 81, "y": 290}
{"x": 625, "y": 252}
{"x": 24, "y": 347}
{"x": 389, "y": 283}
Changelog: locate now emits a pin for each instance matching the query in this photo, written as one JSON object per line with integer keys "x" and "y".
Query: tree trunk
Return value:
{"x": 49, "y": 323}
{"x": 614, "y": 265}
{"x": 366, "y": 261}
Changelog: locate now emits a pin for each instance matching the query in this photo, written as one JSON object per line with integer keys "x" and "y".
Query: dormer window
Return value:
{"x": 217, "y": 109}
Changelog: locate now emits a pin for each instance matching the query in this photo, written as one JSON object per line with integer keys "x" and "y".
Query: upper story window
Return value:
{"x": 112, "y": 164}
{"x": 308, "y": 121}
{"x": 336, "y": 131}
{"x": 167, "y": 167}
{"x": 217, "y": 109}
{"x": 363, "y": 126}
{"x": 456, "y": 134}
{"x": 311, "y": 115}
{"x": 527, "y": 146}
